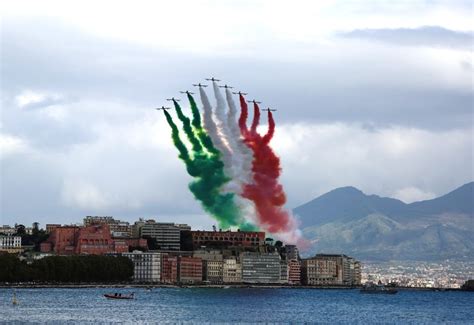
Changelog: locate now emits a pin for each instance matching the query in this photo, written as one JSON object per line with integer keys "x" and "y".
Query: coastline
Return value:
{"x": 195, "y": 286}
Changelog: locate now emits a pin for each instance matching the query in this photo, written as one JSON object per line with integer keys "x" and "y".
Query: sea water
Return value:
{"x": 243, "y": 305}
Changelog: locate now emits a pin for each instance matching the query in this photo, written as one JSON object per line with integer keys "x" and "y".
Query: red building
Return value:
{"x": 169, "y": 269}
{"x": 227, "y": 238}
{"x": 94, "y": 239}
{"x": 190, "y": 269}
{"x": 294, "y": 272}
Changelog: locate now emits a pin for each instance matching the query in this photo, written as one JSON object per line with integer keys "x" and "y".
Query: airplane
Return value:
{"x": 212, "y": 79}
{"x": 254, "y": 101}
{"x": 172, "y": 99}
{"x": 239, "y": 93}
{"x": 163, "y": 108}
{"x": 199, "y": 85}
{"x": 270, "y": 110}
{"x": 226, "y": 87}
{"x": 186, "y": 92}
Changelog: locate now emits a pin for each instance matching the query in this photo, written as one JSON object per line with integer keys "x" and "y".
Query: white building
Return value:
{"x": 231, "y": 271}
{"x": 147, "y": 266}
{"x": 10, "y": 244}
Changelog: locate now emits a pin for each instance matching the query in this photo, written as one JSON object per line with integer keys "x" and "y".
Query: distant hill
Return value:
{"x": 371, "y": 227}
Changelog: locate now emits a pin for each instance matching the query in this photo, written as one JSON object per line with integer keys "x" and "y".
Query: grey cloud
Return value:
{"x": 115, "y": 84}
{"x": 434, "y": 36}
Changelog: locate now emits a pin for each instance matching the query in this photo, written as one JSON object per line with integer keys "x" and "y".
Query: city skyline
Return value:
{"x": 79, "y": 135}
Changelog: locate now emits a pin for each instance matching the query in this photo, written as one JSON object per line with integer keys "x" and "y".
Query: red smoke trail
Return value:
{"x": 265, "y": 191}
{"x": 244, "y": 113}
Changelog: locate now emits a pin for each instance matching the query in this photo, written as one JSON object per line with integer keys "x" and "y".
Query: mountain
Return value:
{"x": 371, "y": 227}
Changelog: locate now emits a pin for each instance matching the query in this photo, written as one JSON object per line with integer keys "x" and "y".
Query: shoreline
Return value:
{"x": 195, "y": 286}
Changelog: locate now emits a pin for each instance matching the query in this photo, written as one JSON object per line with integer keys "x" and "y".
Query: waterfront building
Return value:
{"x": 166, "y": 234}
{"x": 330, "y": 269}
{"x": 189, "y": 269}
{"x": 51, "y": 226}
{"x": 228, "y": 238}
{"x": 169, "y": 269}
{"x": 294, "y": 272}
{"x": 147, "y": 266}
{"x": 292, "y": 253}
{"x": 7, "y": 230}
{"x": 231, "y": 271}
{"x": 260, "y": 267}
{"x": 283, "y": 271}
{"x": 94, "y": 239}
{"x": 119, "y": 229}
{"x": 212, "y": 262}
{"x": 10, "y": 244}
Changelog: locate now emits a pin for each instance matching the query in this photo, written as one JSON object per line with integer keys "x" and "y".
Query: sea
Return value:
{"x": 234, "y": 305}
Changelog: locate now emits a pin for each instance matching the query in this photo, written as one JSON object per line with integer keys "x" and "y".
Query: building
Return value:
{"x": 330, "y": 269}
{"x": 231, "y": 271}
{"x": 189, "y": 269}
{"x": 212, "y": 262}
{"x": 227, "y": 238}
{"x": 294, "y": 272}
{"x": 169, "y": 269}
{"x": 51, "y": 226}
{"x": 260, "y": 267}
{"x": 94, "y": 239}
{"x": 292, "y": 253}
{"x": 167, "y": 235}
{"x": 147, "y": 266}
{"x": 283, "y": 271}
{"x": 7, "y": 230}
{"x": 118, "y": 229}
{"x": 10, "y": 244}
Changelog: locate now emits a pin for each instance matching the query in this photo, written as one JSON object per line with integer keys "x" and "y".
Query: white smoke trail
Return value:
{"x": 242, "y": 158}
{"x": 211, "y": 127}
{"x": 243, "y": 154}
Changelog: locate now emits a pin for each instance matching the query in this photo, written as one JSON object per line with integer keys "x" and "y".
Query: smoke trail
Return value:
{"x": 208, "y": 171}
{"x": 242, "y": 153}
{"x": 265, "y": 191}
{"x": 211, "y": 128}
{"x": 197, "y": 147}
{"x": 201, "y": 133}
{"x": 209, "y": 177}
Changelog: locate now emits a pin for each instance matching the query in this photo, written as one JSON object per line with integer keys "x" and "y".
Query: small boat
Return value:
{"x": 377, "y": 289}
{"x": 119, "y": 296}
{"x": 14, "y": 300}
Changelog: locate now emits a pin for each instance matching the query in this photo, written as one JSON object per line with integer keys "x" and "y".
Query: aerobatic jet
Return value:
{"x": 187, "y": 92}
{"x": 199, "y": 85}
{"x": 172, "y": 99}
{"x": 270, "y": 110}
{"x": 226, "y": 87}
{"x": 162, "y": 108}
{"x": 254, "y": 101}
{"x": 239, "y": 93}
{"x": 212, "y": 79}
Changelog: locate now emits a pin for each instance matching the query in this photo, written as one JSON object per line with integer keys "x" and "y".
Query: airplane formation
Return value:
{"x": 202, "y": 86}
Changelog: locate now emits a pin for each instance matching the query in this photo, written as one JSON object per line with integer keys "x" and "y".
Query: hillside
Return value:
{"x": 371, "y": 227}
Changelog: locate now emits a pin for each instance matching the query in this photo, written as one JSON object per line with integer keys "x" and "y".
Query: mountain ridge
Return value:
{"x": 373, "y": 227}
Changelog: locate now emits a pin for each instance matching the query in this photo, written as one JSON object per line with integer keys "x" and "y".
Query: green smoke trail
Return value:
{"x": 208, "y": 171}
{"x": 200, "y": 131}
{"x": 197, "y": 147}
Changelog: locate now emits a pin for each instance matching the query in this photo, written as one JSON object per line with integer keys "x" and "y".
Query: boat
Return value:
{"x": 119, "y": 296}
{"x": 377, "y": 289}
{"x": 14, "y": 300}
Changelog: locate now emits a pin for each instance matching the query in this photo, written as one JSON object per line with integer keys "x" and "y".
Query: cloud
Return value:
{"x": 31, "y": 100}
{"x": 11, "y": 144}
{"x": 77, "y": 112}
{"x": 412, "y": 194}
{"x": 389, "y": 161}
{"x": 433, "y": 36}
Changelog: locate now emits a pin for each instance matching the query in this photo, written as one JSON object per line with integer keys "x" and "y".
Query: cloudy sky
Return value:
{"x": 373, "y": 94}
